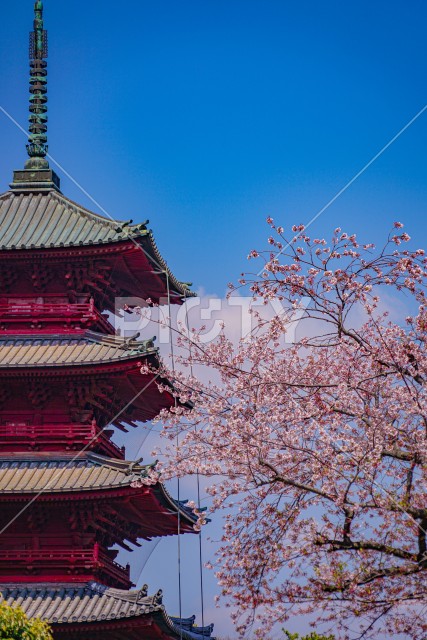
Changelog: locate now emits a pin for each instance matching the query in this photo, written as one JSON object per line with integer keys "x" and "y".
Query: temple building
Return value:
{"x": 67, "y": 493}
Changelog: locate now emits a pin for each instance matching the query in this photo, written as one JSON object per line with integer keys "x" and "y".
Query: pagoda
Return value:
{"x": 67, "y": 493}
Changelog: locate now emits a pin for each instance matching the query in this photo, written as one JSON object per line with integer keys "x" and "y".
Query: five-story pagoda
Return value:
{"x": 67, "y": 495}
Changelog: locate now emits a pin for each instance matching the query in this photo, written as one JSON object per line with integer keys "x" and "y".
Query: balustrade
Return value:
{"x": 58, "y": 436}
{"x": 85, "y": 314}
{"x": 93, "y": 560}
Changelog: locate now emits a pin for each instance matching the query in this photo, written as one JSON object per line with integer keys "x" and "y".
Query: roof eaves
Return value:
{"x": 181, "y": 288}
{"x": 177, "y": 506}
{"x": 65, "y": 600}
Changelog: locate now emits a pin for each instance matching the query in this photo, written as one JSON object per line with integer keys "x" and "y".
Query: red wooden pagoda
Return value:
{"x": 67, "y": 494}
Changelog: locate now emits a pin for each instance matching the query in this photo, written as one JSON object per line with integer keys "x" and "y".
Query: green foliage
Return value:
{"x": 311, "y": 636}
{"x": 14, "y": 625}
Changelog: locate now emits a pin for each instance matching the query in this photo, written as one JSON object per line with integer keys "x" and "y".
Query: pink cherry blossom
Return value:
{"x": 321, "y": 445}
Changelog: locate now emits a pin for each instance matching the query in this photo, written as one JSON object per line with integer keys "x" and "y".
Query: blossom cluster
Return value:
{"x": 317, "y": 450}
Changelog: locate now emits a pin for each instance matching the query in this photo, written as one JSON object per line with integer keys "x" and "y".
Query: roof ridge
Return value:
{"x": 42, "y": 456}
{"x": 119, "y": 341}
{"x": 71, "y": 457}
{"x": 42, "y": 336}
{"x": 129, "y": 466}
{"x": 78, "y": 208}
{"x": 135, "y": 596}
{"x": 117, "y": 225}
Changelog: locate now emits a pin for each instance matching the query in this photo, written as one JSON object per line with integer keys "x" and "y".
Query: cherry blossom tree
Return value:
{"x": 317, "y": 450}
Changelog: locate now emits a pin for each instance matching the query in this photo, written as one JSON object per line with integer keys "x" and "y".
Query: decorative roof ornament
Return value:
{"x": 37, "y": 176}
{"x": 37, "y": 140}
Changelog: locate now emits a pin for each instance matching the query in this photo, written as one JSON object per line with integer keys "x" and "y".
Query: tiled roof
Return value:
{"x": 52, "y": 473}
{"x": 47, "y": 219}
{"x": 49, "y": 473}
{"x": 70, "y": 604}
{"x": 59, "y": 350}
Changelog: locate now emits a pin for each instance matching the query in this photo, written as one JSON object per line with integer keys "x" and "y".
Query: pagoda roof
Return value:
{"x": 61, "y": 350}
{"x": 53, "y": 472}
{"x": 49, "y": 219}
{"x": 46, "y": 219}
{"x": 69, "y": 604}
{"x": 58, "y": 473}
{"x": 91, "y": 476}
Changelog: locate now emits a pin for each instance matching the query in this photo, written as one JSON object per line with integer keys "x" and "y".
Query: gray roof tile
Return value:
{"x": 92, "y": 602}
{"x": 40, "y": 220}
{"x": 31, "y": 473}
{"x": 57, "y": 350}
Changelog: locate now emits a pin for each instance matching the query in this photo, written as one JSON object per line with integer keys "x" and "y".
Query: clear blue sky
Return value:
{"x": 205, "y": 117}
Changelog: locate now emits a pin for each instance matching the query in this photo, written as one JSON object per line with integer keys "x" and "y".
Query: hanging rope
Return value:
{"x": 177, "y": 445}
{"x": 202, "y": 599}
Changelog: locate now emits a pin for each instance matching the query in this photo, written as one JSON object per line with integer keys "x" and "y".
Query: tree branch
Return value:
{"x": 368, "y": 545}
{"x": 292, "y": 483}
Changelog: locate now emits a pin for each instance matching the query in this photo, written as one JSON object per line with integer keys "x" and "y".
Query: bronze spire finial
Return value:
{"x": 37, "y": 176}
{"x": 37, "y": 139}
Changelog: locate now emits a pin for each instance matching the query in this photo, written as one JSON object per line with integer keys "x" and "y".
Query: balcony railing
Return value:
{"x": 115, "y": 569}
{"x": 31, "y": 557}
{"x": 46, "y": 312}
{"x": 58, "y": 436}
{"x": 94, "y": 560}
